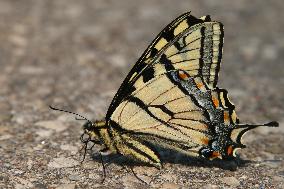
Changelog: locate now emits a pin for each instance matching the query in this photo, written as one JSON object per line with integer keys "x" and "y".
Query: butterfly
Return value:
{"x": 170, "y": 98}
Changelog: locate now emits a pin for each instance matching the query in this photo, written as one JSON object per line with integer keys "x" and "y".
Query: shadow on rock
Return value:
{"x": 174, "y": 157}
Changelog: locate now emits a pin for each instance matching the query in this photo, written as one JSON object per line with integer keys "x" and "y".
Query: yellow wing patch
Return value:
{"x": 161, "y": 43}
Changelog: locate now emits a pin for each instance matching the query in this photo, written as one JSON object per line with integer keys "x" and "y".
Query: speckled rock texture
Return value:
{"x": 74, "y": 55}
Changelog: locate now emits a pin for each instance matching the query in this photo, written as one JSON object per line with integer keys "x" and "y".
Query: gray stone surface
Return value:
{"x": 74, "y": 55}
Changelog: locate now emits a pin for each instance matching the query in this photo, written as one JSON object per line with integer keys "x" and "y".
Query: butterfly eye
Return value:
{"x": 183, "y": 75}
{"x": 87, "y": 126}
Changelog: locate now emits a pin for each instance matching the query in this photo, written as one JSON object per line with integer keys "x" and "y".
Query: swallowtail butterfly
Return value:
{"x": 170, "y": 98}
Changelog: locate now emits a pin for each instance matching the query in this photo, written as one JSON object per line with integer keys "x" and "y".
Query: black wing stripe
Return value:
{"x": 195, "y": 120}
{"x": 164, "y": 109}
{"x": 130, "y": 145}
{"x": 173, "y": 100}
{"x": 190, "y": 128}
{"x": 148, "y": 75}
{"x": 168, "y": 64}
{"x": 148, "y": 83}
{"x": 219, "y": 55}
{"x": 182, "y": 52}
{"x": 178, "y": 45}
{"x": 140, "y": 103}
{"x": 187, "y": 44}
{"x": 201, "y": 62}
{"x": 162, "y": 94}
{"x": 158, "y": 136}
{"x": 185, "y": 60}
{"x": 188, "y": 111}
{"x": 191, "y": 20}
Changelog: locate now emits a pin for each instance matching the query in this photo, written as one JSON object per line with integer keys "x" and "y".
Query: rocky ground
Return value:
{"x": 74, "y": 55}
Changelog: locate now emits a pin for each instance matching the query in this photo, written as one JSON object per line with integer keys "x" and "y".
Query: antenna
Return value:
{"x": 57, "y": 109}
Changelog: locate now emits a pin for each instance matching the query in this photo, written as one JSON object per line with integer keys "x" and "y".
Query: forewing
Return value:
{"x": 188, "y": 43}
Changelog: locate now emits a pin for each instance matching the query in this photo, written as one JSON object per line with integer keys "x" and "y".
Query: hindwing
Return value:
{"x": 177, "y": 108}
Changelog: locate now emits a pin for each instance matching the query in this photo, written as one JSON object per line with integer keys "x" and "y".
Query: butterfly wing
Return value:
{"x": 175, "y": 108}
{"x": 171, "y": 97}
{"x": 188, "y": 43}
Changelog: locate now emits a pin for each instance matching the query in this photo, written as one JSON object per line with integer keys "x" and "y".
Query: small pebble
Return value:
{"x": 62, "y": 162}
{"x": 71, "y": 148}
{"x": 18, "y": 172}
{"x": 39, "y": 185}
{"x": 231, "y": 181}
{"x": 66, "y": 186}
{"x": 278, "y": 179}
{"x": 44, "y": 133}
{"x": 5, "y": 117}
{"x": 210, "y": 186}
{"x": 169, "y": 177}
{"x": 5, "y": 137}
{"x": 270, "y": 52}
{"x": 169, "y": 185}
{"x": 30, "y": 164}
{"x": 74, "y": 177}
{"x": 55, "y": 125}
{"x": 281, "y": 173}
{"x": 272, "y": 164}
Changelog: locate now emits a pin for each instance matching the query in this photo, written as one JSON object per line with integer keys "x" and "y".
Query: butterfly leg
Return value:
{"x": 136, "y": 176}
{"x": 104, "y": 168}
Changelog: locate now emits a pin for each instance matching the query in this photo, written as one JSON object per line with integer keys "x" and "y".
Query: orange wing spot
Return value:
{"x": 226, "y": 117}
{"x": 215, "y": 155}
{"x": 182, "y": 75}
{"x": 205, "y": 141}
{"x": 230, "y": 150}
{"x": 215, "y": 101}
{"x": 199, "y": 85}
{"x": 205, "y": 126}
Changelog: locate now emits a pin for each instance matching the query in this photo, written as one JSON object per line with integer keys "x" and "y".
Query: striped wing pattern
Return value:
{"x": 177, "y": 108}
{"x": 188, "y": 43}
{"x": 168, "y": 95}
{"x": 170, "y": 98}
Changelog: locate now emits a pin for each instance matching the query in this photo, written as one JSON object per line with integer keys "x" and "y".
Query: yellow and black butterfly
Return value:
{"x": 170, "y": 98}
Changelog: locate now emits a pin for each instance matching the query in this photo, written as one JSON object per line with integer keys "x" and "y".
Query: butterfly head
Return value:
{"x": 98, "y": 133}
{"x": 89, "y": 126}
{"x": 94, "y": 129}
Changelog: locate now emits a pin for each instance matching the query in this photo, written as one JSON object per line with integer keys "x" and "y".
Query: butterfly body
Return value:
{"x": 170, "y": 98}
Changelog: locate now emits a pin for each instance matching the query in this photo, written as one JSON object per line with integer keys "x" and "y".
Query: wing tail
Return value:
{"x": 240, "y": 129}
